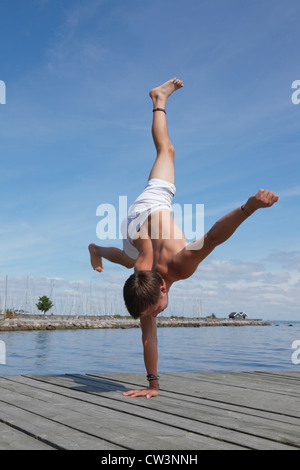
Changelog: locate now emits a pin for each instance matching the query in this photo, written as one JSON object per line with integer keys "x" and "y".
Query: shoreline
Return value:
{"x": 67, "y": 322}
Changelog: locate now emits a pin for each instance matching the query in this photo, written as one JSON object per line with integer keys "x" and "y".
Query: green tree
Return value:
{"x": 212, "y": 316}
{"x": 44, "y": 304}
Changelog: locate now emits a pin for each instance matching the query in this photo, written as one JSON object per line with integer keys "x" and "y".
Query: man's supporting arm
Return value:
{"x": 149, "y": 338}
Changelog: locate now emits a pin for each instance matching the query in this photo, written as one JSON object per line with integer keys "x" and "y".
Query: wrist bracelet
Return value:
{"x": 151, "y": 377}
{"x": 244, "y": 210}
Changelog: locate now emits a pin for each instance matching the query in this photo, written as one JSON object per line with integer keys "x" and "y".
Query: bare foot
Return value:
{"x": 96, "y": 259}
{"x": 160, "y": 94}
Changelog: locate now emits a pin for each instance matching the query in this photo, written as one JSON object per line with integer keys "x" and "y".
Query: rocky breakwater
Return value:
{"x": 59, "y": 322}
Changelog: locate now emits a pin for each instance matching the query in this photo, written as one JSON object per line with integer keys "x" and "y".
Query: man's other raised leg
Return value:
{"x": 112, "y": 254}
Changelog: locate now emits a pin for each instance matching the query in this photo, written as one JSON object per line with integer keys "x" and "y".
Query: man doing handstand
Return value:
{"x": 159, "y": 259}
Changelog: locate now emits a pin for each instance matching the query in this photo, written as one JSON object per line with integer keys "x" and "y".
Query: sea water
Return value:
{"x": 181, "y": 349}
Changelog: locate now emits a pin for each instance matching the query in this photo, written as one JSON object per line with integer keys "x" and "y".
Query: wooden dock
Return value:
{"x": 194, "y": 411}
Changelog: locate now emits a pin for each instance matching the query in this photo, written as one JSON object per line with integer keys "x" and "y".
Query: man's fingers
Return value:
{"x": 272, "y": 198}
{"x": 141, "y": 393}
{"x": 133, "y": 393}
{"x": 268, "y": 198}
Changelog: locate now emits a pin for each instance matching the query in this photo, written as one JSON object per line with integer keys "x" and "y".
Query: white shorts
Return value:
{"x": 157, "y": 195}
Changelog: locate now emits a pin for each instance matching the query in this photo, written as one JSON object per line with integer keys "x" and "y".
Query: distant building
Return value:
{"x": 238, "y": 315}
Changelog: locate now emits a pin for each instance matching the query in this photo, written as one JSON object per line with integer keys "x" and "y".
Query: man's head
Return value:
{"x": 145, "y": 294}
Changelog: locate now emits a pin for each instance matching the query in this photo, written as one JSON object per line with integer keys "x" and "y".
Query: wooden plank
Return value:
{"x": 254, "y": 382}
{"x": 273, "y": 421}
{"x": 160, "y": 418}
{"x": 126, "y": 429}
{"x": 259, "y": 426}
{"x": 190, "y": 385}
{"x": 206, "y": 402}
{"x": 56, "y": 435}
{"x": 237, "y": 381}
{"x": 293, "y": 377}
{"x": 267, "y": 378}
{"x": 121, "y": 408}
{"x": 12, "y": 439}
{"x": 200, "y": 411}
{"x": 241, "y": 396}
{"x": 217, "y": 423}
{"x": 32, "y": 422}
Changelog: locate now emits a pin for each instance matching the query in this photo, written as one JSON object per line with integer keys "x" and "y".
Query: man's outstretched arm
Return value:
{"x": 227, "y": 225}
{"x": 187, "y": 260}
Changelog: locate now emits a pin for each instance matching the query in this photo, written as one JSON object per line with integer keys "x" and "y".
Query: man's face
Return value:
{"x": 154, "y": 310}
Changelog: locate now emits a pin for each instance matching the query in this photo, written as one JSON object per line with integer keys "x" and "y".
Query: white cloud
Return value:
{"x": 290, "y": 192}
{"x": 77, "y": 46}
{"x": 225, "y": 286}
{"x": 287, "y": 259}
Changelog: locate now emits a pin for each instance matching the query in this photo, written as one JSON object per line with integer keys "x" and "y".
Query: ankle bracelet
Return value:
{"x": 160, "y": 109}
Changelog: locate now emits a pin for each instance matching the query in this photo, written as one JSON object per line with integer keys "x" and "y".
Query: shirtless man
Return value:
{"x": 159, "y": 260}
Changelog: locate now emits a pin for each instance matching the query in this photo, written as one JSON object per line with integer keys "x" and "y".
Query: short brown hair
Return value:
{"x": 141, "y": 290}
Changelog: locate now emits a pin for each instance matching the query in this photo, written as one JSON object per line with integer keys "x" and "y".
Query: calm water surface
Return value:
{"x": 206, "y": 349}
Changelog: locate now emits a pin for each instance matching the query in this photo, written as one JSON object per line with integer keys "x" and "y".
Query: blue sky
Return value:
{"x": 75, "y": 133}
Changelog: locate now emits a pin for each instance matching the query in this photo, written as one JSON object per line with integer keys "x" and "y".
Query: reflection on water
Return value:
{"x": 180, "y": 349}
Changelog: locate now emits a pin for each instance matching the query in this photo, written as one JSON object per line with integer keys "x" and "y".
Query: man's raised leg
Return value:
{"x": 112, "y": 254}
{"x": 163, "y": 167}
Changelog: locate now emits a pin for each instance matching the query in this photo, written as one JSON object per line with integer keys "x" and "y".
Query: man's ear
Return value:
{"x": 163, "y": 289}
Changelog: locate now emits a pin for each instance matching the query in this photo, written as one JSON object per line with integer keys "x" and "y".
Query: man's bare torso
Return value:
{"x": 158, "y": 241}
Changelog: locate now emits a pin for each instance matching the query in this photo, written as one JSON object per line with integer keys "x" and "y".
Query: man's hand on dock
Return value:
{"x": 148, "y": 393}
